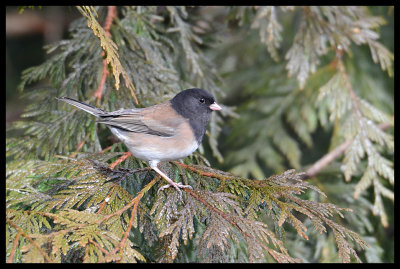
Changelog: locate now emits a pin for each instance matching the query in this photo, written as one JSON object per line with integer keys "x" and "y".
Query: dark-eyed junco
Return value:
{"x": 163, "y": 132}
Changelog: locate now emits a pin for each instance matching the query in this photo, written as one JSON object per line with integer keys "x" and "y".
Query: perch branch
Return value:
{"x": 203, "y": 173}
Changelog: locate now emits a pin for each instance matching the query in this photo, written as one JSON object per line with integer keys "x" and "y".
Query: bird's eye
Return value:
{"x": 202, "y": 100}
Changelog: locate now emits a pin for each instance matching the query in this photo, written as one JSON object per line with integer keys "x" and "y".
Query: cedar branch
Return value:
{"x": 328, "y": 158}
{"x": 234, "y": 224}
{"x": 44, "y": 254}
{"x": 14, "y": 247}
{"x": 112, "y": 12}
{"x": 134, "y": 204}
{"x": 140, "y": 194}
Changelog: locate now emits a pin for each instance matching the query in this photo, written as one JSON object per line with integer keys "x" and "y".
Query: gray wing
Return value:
{"x": 133, "y": 120}
{"x": 136, "y": 120}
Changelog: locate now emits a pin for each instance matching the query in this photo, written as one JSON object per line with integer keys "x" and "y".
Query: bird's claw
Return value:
{"x": 176, "y": 185}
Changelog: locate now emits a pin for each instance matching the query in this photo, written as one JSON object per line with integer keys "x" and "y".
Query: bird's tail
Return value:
{"x": 88, "y": 108}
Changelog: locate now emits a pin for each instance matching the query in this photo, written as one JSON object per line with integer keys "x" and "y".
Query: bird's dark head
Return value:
{"x": 194, "y": 102}
{"x": 196, "y": 105}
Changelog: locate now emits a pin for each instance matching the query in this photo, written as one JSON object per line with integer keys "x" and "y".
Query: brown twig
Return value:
{"x": 134, "y": 204}
{"x": 14, "y": 247}
{"x": 111, "y": 13}
{"x": 328, "y": 158}
{"x": 99, "y": 92}
{"x": 140, "y": 194}
{"x": 44, "y": 254}
{"x": 203, "y": 173}
{"x": 234, "y": 224}
{"x": 99, "y": 247}
{"x": 107, "y": 148}
{"x": 80, "y": 145}
{"x": 120, "y": 159}
{"x": 128, "y": 229}
{"x": 102, "y": 205}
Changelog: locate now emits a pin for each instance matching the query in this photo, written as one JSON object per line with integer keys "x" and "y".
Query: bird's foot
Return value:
{"x": 176, "y": 185}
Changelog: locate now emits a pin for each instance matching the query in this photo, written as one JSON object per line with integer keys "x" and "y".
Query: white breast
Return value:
{"x": 160, "y": 152}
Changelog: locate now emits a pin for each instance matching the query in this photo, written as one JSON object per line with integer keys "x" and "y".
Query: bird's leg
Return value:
{"x": 176, "y": 185}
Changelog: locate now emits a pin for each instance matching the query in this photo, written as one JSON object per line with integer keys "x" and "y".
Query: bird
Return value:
{"x": 167, "y": 131}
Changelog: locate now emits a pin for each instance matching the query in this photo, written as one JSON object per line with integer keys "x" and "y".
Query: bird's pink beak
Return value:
{"x": 215, "y": 106}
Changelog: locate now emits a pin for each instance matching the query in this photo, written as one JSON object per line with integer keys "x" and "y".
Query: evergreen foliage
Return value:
{"x": 72, "y": 196}
{"x": 80, "y": 204}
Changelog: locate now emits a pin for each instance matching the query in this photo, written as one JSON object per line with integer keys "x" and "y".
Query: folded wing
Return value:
{"x": 159, "y": 122}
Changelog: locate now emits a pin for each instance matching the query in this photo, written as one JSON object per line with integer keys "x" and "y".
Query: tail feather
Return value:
{"x": 88, "y": 108}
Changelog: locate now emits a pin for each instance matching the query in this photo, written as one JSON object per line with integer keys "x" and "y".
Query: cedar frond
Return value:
{"x": 360, "y": 127}
{"x": 109, "y": 47}
{"x": 86, "y": 207}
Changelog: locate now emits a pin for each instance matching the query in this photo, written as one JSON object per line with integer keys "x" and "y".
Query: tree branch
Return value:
{"x": 204, "y": 173}
{"x": 14, "y": 247}
{"x": 112, "y": 12}
{"x": 134, "y": 203}
{"x": 120, "y": 159}
{"x": 140, "y": 194}
{"x": 247, "y": 235}
{"x": 328, "y": 158}
{"x": 44, "y": 254}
